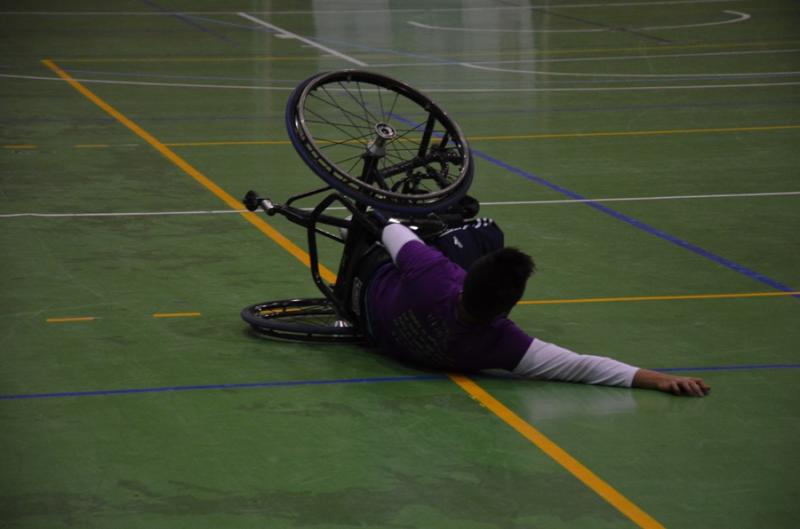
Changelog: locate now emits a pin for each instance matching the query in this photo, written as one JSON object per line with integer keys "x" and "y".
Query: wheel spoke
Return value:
{"x": 349, "y": 115}
{"x": 324, "y": 121}
{"x": 360, "y": 103}
{"x": 346, "y": 133}
{"x": 350, "y": 170}
{"x": 357, "y": 156}
{"x": 380, "y": 142}
{"x": 355, "y": 143}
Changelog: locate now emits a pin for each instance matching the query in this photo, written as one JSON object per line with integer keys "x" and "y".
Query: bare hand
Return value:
{"x": 677, "y": 385}
{"x": 692, "y": 387}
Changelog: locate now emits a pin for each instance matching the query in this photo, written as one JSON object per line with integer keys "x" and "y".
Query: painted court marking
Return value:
{"x": 669, "y": 76}
{"x": 636, "y": 223}
{"x": 499, "y": 137}
{"x": 659, "y": 298}
{"x": 350, "y": 12}
{"x": 432, "y": 90}
{"x": 177, "y": 314}
{"x": 326, "y": 382}
{"x": 339, "y": 208}
{"x": 289, "y": 34}
{"x": 190, "y": 170}
{"x": 600, "y": 487}
{"x": 683, "y": 297}
{"x": 738, "y": 16}
{"x": 559, "y": 455}
{"x": 640, "y": 57}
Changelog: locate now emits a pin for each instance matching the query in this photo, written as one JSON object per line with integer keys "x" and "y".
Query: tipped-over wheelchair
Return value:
{"x": 383, "y": 149}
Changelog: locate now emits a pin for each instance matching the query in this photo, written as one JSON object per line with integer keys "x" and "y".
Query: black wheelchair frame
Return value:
{"x": 382, "y": 148}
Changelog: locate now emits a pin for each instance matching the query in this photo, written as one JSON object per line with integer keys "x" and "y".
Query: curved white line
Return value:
{"x": 349, "y": 12}
{"x": 431, "y": 90}
{"x": 490, "y": 30}
{"x": 585, "y": 59}
{"x": 739, "y": 17}
{"x": 618, "y": 57}
{"x": 626, "y": 75}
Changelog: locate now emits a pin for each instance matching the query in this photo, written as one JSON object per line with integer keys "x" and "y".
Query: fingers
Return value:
{"x": 692, "y": 387}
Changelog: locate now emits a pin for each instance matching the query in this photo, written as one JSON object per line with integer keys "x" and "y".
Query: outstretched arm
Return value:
{"x": 548, "y": 361}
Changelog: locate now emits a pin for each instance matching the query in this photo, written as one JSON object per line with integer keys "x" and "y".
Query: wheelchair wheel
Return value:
{"x": 304, "y": 320}
{"x": 379, "y": 141}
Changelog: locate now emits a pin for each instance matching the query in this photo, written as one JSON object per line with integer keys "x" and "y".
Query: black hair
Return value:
{"x": 495, "y": 283}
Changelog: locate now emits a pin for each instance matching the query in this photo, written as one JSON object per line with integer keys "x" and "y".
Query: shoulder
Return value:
{"x": 416, "y": 257}
{"x": 509, "y": 336}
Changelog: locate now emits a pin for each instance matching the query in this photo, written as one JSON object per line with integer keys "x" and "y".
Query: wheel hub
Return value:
{"x": 385, "y": 131}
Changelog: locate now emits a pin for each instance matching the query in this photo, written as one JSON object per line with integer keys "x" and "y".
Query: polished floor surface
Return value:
{"x": 645, "y": 152}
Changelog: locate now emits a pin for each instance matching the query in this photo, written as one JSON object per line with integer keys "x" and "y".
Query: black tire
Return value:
{"x": 304, "y": 320}
{"x": 379, "y": 141}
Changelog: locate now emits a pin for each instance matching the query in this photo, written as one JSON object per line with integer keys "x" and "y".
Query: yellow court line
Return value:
{"x": 576, "y": 468}
{"x": 600, "y": 134}
{"x": 221, "y": 143}
{"x": 558, "y": 454}
{"x": 233, "y": 203}
{"x": 70, "y": 320}
{"x": 632, "y": 133}
{"x": 253, "y": 58}
{"x": 177, "y": 314}
{"x": 514, "y": 137}
{"x": 659, "y": 298}
{"x": 105, "y": 145}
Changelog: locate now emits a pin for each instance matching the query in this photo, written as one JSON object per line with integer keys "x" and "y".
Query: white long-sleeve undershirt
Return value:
{"x": 395, "y": 236}
{"x": 548, "y": 361}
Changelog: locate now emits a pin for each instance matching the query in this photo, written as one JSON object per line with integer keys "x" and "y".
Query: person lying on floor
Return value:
{"x": 424, "y": 309}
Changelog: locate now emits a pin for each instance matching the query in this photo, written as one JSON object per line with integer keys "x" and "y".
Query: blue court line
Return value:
{"x": 727, "y": 263}
{"x": 340, "y": 381}
{"x": 745, "y": 367}
{"x": 206, "y": 387}
{"x": 188, "y": 20}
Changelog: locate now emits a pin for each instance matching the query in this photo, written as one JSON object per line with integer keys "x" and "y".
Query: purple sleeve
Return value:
{"x": 512, "y": 344}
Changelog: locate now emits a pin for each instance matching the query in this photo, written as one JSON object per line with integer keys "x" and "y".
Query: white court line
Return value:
{"x": 630, "y": 57}
{"x": 310, "y": 42}
{"x": 146, "y": 83}
{"x": 495, "y": 30}
{"x": 352, "y": 11}
{"x": 124, "y": 214}
{"x": 625, "y": 75}
{"x": 638, "y": 199}
{"x": 428, "y": 90}
{"x": 510, "y": 203}
{"x": 584, "y": 59}
{"x": 739, "y": 17}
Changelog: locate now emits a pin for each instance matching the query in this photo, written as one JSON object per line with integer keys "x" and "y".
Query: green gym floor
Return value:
{"x": 647, "y": 153}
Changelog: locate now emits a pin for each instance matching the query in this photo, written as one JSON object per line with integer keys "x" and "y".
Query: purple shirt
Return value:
{"x": 413, "y": 308}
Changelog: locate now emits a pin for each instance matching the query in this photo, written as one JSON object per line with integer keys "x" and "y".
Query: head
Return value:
{"x": 495, "y": 283}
